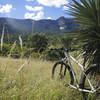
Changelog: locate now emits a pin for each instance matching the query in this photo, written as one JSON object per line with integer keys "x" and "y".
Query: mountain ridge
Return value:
{"x": 14, "y": 25}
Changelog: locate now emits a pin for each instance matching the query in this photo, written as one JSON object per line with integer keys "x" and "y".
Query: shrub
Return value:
{"x": 38, "y": 41}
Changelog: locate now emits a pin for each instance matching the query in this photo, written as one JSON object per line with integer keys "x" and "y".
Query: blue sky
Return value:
{"x": 33, "y": 9}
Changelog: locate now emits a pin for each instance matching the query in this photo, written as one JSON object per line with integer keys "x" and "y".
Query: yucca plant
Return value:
{"x": 87, "y": 13}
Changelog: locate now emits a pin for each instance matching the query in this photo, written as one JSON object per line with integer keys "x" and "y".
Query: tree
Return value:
{"x": 87, "y": 13}
{"x": 38, "y": 41}
{"x": 67, "y": 42}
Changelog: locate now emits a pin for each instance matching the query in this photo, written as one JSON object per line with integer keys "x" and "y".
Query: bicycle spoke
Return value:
{"x": 61, "y": 71}
{"x": 94, "y": 79}
{"x": 93, "y": 74}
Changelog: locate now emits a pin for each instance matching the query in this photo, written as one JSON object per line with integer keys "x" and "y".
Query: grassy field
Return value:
{"x": 32, "y": 82}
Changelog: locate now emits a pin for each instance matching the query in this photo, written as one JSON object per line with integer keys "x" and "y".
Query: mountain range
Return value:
{"x": 29, "y": 26}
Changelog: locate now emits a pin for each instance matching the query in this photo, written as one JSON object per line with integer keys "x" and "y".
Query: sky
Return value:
{"x": 33, "y": 9}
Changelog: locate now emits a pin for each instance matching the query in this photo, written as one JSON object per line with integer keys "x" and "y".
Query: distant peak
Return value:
{"x": 61, "y": 18}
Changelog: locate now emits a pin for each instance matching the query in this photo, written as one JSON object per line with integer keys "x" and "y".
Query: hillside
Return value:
{"x": 62, "y": 24}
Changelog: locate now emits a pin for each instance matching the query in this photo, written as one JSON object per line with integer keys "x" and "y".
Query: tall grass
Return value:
{"x": 21, "y": 42}
{"x": 2, "y": 37}
{"x": 33, "y": 82}
{"x": 11, "y": 50}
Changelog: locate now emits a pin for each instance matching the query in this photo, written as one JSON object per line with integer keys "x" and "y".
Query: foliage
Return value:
{"x": 36, "y": 45}
{"x": 87, "y": 13}
{"x": 54, "y": 55}
{"x": 38, "y": 41}
{"x": 5, "y": 50}
{"x": 67, "y": 42}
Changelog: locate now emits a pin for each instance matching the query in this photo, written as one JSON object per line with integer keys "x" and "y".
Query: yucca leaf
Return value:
{"x": 87, "y": 13}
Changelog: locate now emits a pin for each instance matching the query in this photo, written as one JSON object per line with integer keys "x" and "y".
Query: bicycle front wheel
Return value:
{"x": 63, "y": 71}
{"x": 92, "y": 74}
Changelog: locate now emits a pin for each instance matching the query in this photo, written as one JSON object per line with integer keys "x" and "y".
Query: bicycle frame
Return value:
{"x": 68, "y": 57}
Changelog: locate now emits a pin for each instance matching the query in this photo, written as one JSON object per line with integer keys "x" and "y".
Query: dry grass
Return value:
{"x": 33, "y": 82}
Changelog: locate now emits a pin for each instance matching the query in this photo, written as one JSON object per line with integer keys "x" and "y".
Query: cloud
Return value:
{"x": 5, "y": 8}
{"x": 36, "y": 8}
{"x": 29, "y": 15}
{"x": 49, "y": 18}
{"x": 30, "y": 0}
{"x": 55, "y": 3}
{"x": 65, "y": 7}
{"x": 38, "y": 16}
{"x": 36, "y": 13}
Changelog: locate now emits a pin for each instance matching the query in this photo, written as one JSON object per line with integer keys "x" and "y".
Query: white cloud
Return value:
{"x": 55, "y": 3}
{"x": 65, "y": 8}
{"x": 5, "y": 8}
{"x": 38, "y": 16}
{"x": 36, "y": 13}
{"x": 49, "y": 18}
{"x": 30, "y": 0}
{"x": 29, "y": 15}
{"x": 36, "y": 8}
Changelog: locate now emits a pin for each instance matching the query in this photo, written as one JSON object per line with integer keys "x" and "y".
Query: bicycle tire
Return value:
{"x": 67, "y": 68}
{"x": 90, "y": 72}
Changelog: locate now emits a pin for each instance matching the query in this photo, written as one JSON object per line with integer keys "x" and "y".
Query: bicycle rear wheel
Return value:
{"x": 93, "y": 74}
{"x": 63, "y": 71}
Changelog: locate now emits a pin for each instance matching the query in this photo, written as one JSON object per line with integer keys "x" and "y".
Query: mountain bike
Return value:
{"x": 89, "y": 82}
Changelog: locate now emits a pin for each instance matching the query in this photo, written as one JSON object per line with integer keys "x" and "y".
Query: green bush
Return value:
{"x": 38, "y": 41}
{"x": 54, "y": 55}
{"x": 5, "y": 50}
